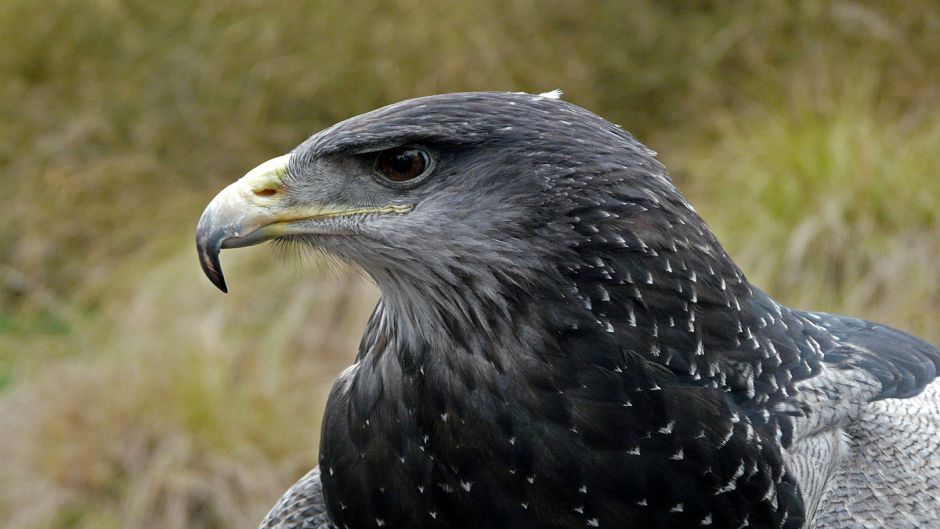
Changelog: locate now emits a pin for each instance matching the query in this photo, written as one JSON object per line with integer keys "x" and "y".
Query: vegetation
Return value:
{"x": 134, "y": 395}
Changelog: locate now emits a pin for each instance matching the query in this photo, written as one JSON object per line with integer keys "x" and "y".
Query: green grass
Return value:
{"x": 134, "y": 395}
{"x": 833, "y": 211}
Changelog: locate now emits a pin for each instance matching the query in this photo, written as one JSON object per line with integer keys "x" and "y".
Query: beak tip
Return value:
{"x": 214, "y": 272}
{"x": 208, "y": 249}
{"x": 220, "y": 284}
{"x": 215, "y": 277}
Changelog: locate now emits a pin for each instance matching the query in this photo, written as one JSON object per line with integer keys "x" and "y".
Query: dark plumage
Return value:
{"x": 561, "y": 341}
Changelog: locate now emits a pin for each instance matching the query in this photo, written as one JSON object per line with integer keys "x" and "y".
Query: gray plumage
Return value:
{"x": 562, "y": 342}
{"x": 301, "y": 507}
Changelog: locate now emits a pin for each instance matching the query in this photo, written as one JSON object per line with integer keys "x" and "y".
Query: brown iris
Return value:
{"x": 402, "y": 163}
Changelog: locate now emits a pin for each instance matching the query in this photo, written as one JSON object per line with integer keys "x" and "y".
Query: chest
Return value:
{"x": 412, "y": 450}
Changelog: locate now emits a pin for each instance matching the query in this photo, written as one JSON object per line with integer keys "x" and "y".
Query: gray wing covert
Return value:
{"x": 903, "y": 364}
{"x": 301, "y": 507}
{"x": 864, "y": 451}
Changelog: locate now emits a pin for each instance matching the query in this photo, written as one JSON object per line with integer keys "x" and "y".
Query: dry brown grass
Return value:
{"x": 191, "y": 414}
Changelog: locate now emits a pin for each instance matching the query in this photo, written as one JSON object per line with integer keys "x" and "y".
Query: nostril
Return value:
{"x": 266, "y": 192}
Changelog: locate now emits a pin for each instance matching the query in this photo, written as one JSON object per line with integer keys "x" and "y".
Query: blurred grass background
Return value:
{"x": 134, "y": 395}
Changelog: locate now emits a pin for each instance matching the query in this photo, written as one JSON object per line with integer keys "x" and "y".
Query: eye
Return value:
{"x": 402, "y": 164}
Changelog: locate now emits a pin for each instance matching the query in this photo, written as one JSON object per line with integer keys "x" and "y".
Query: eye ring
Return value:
{"x": 402, "y": 165}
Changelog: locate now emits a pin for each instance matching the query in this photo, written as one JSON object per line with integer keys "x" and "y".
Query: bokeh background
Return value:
{"x": 134, "y": 395}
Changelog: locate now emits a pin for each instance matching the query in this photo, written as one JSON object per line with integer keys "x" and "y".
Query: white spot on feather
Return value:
{"x": 726, "y": 438}
{"x": 554, "y": 94}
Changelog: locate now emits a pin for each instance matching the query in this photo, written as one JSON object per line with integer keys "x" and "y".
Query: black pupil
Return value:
{"x": 402, "y": 164}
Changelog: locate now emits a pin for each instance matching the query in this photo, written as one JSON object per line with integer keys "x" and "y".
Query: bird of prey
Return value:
{"x": 562, "y": 342}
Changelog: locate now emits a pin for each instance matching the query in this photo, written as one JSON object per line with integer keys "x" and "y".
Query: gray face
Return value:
{"x": 429, "y": 190}
{"x": 463, "y": 199}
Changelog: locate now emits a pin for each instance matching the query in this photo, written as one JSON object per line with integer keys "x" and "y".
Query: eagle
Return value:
{"x": 562, "y": 342}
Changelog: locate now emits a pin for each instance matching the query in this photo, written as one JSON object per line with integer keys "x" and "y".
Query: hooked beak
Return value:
{"x": 252, "y": 210}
